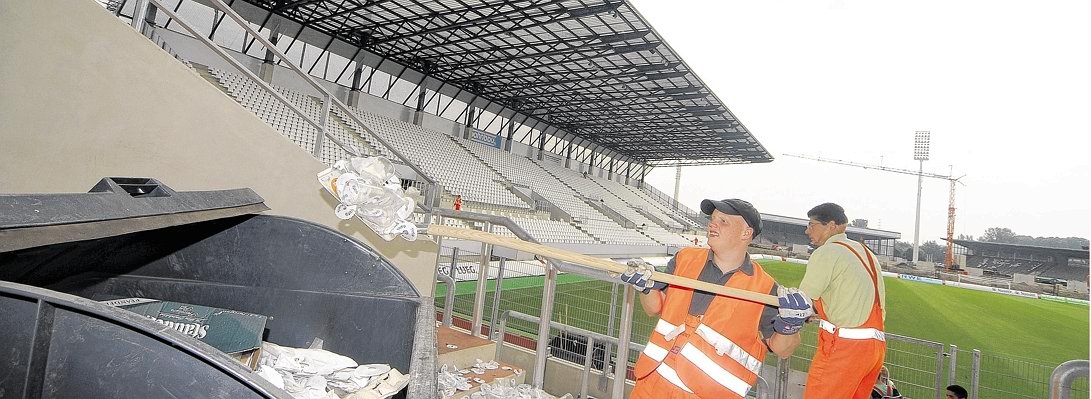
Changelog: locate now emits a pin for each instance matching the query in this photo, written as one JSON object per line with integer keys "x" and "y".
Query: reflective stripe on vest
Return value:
{"x": 656, "y": 352}
{"x": 853, "y": 333}
{"x": 669, "y": 331}
{"x": 727, "y": 358}
{"x": 714, "y": 371}
{"x": 724, "y": 346}
{"x": 672, "y": 376}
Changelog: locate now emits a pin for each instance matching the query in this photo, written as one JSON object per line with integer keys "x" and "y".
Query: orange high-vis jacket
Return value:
{"x": 718, "y": 355}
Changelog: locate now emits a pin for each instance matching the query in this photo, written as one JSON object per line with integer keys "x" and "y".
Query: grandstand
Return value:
{"x": 1007, "y": 260}
{"x": 599, "y": 211}
{"x": 785, "y": 231}
{"x": 549, "y": 113}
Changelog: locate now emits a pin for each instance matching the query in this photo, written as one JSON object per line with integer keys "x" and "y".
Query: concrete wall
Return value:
{"x": 83, "y": 96}
{"x": 1019, "y": 278}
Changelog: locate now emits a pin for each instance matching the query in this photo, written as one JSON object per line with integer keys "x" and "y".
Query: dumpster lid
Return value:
{"x": 114, "y": 206}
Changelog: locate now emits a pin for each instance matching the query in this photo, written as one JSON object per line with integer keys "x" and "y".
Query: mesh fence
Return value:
{"x": 1007, "y": 376}
{"x": 919, "y": 368}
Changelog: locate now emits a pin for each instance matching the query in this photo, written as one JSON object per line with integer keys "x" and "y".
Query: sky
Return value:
{"x": 1002, "y": 86}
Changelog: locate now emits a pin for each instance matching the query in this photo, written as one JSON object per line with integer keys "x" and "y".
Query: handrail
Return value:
{"x": 1060, "y": 381}
{"x": 548, "y": 290}
{"x": 622, "y": 356}
{"x": 762, "y": 386}
{"x": 265, "y": 86}
{"x": 449, "y": 301}
{"x": 314, "y": 83}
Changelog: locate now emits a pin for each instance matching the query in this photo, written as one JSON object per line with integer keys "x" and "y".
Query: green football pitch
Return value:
{"x": 1028, "y": 330}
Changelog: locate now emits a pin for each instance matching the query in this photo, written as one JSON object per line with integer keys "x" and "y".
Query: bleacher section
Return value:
{"x": 521, "y": 170}
{"x": 438, "y": 156}
{"x": 481, "y": 174}
{"x": 1066, "y": 272}
{"x": 1009, "y": 267}
{"x": 594, "y": 191}
{"x": 548, "y": 231}
{"x": 286, "y": 121}
{"x": 638, "y": 198}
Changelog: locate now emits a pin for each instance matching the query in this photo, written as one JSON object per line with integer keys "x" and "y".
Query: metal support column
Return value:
{"x": 952, "y": 365}
{"x": 469, "y": 122}
{"x": 511, "y": 134}
{"x": 621, "y": 365}
{"x": 265, "y": 71}
{"x": 938, "y": 383}
{"x": 784, "y": 370}
{"x": 677, "y": 185}
{"x": 482, "y": 285}
{"x": 542, "y": 350}
{"x": 140, "y": 13}
{"x": 449, "y": 301}
{"x": 975, "y": 375}
{"x": 324, "y": 126}
{"x": 917, "y": 222}
{"x": 609, "y": 332}
{"x": 496, "y": 300}
{"x": 587, "y": 357}
{"x": 357, "y": 86}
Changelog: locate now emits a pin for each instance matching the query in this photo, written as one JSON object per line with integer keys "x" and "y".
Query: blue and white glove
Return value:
{"x": 640, "y": 276}
{"x": 795, "y": 309}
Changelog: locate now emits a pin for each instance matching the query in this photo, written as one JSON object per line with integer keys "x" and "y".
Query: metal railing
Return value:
{"x": 586, "y": 306}
{"x": 590, "y": 353}
{"x": 671, "y": 202}
{"x": 549, "y": 285}
{"x": 329, "y": 100}
{"x": 1063, "y": 379}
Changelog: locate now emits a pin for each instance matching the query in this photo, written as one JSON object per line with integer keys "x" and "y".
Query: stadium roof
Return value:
{"x": 594, "y": 69}
{"x": 977, "y": 245}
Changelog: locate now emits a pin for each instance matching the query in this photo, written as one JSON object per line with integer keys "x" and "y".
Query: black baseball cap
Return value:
{"x": 735, "y": 206}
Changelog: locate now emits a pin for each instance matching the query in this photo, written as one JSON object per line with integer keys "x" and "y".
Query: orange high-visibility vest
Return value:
{"x": 718, "y": 355}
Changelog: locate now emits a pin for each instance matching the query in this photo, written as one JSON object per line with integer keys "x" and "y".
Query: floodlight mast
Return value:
{"x": 921, "y": 141}
{"x": 949, "y": 256}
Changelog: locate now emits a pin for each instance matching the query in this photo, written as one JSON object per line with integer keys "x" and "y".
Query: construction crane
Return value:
{"x": 949, "y": 257}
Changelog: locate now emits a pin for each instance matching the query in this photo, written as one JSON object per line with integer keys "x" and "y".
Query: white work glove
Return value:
{"x": 795, "y": 309}
{"x": 639, "y": 274}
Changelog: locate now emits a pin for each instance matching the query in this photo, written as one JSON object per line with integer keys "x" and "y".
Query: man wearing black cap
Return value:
{"x": 709, "y": 346}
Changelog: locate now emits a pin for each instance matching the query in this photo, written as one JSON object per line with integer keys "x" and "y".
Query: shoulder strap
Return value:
{"x": 869, "y": 266}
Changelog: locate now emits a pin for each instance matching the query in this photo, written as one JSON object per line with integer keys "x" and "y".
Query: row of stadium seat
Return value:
{"x": 476, "y": 172}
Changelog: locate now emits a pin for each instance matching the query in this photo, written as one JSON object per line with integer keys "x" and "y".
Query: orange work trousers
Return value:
{"x": 654, "y": 386}
{"x": 844, "y": 368}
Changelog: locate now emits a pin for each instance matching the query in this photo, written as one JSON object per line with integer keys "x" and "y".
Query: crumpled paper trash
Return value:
{"x": 321, "y": 374}
{"x": 369, "y": 189}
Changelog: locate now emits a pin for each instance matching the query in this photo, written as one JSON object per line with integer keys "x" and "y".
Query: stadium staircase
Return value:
{"x": 618, "y": 209}
{"x": 506, "y": 182}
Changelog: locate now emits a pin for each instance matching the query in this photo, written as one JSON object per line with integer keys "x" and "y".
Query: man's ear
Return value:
{"x": 747, "y": 232}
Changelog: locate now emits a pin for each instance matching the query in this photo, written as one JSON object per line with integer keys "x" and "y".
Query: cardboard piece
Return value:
{"x": 235, "y": 333}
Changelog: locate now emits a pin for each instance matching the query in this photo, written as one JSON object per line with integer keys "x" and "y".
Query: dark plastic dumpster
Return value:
{"x": 311, "y": 281}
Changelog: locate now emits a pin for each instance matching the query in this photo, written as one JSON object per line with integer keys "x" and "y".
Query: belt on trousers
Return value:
{"x": 853, "y": 333}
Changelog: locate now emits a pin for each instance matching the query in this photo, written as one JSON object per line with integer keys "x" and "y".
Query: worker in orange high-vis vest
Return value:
{"x": 710, "y": 346}
{"x": 845, "y": 281}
